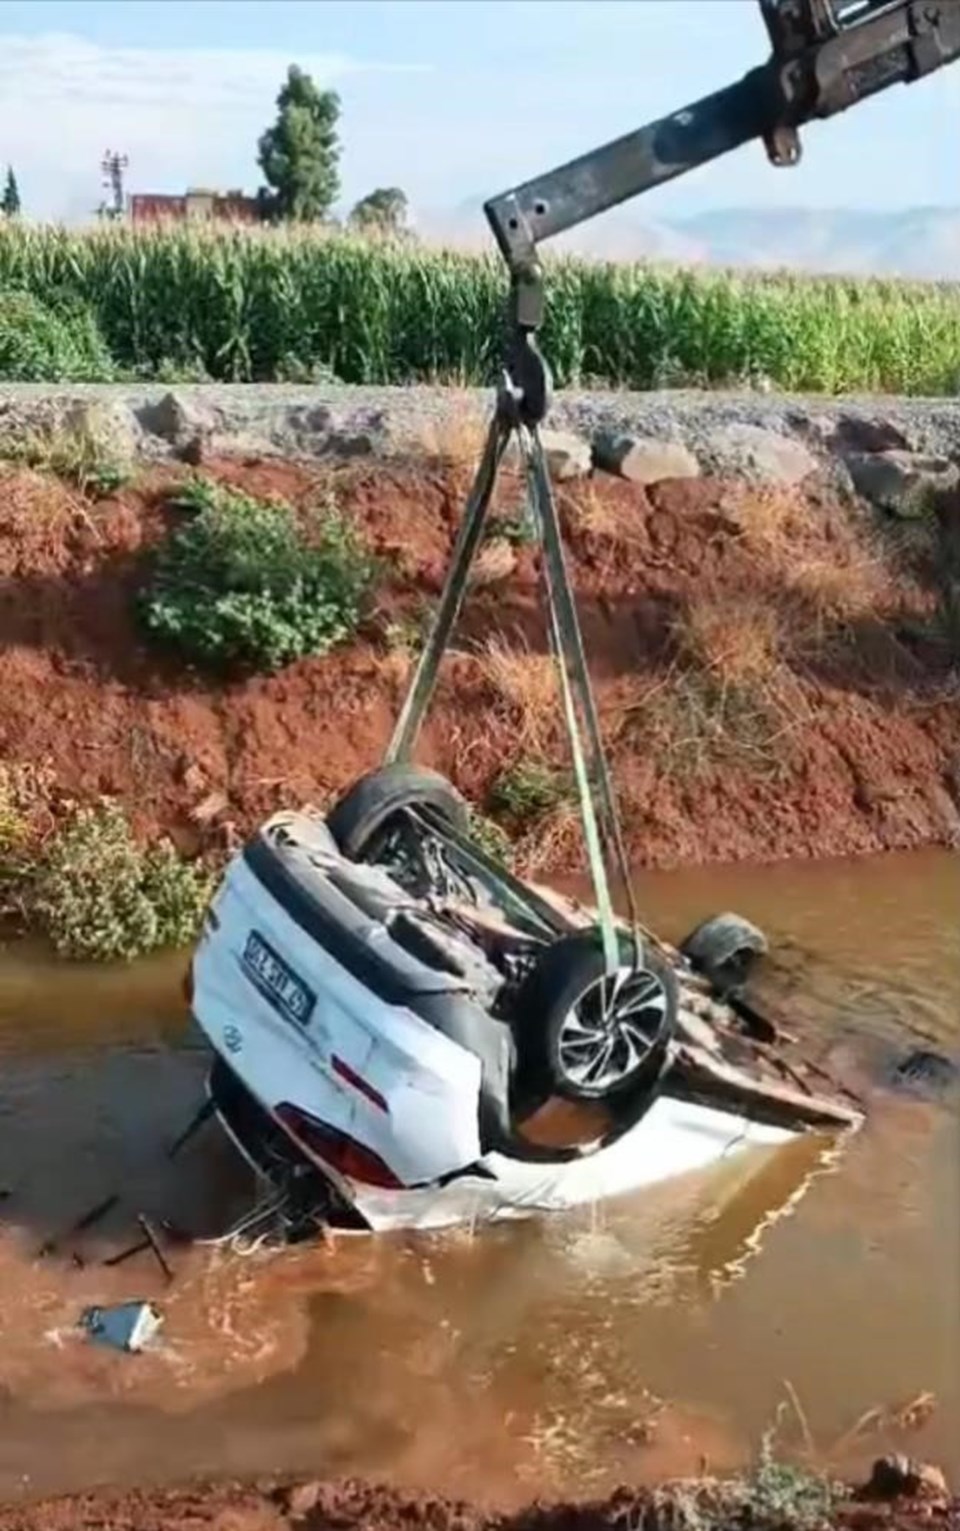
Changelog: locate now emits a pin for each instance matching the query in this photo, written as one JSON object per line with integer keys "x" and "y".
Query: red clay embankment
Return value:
{"x": 771, "y": 677}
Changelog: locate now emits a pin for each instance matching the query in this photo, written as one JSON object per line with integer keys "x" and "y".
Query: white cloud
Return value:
{"x": 183, "y": 116}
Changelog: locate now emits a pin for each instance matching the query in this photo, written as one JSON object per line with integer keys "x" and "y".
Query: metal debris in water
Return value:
{"x": 148, "y": 1241}
{"x": 925, "y": 1072}
{"x": 125, "y": 1326}
{"x": 82, "y": 1224}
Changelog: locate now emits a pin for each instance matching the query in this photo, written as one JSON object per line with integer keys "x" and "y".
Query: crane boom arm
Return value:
{"x": 826, "y": 55}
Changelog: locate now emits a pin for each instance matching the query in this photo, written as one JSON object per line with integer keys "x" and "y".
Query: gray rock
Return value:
{"x": 306, "y": 427}
{"x": 901, "y": 482}
{"x": 232, "y": 442}
{"x": 107, "y": 424}
{"x": 854, "y": 433}
{"x": 175, "y": 419}
{"x": 301, "y": 1498}
{"x": 354, "y": 443}
{"x": 643, "y": 459}
{"x": 749, "y": 451}
{"x": 901, "y": 1477}
{"x": 568, "y": 455}
{"x": 314, "y": 420}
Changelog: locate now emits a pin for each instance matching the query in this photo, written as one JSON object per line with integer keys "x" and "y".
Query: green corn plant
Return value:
{"x": 259, "y": 304}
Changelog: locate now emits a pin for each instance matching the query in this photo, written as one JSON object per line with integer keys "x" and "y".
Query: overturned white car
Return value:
{"x": 406, "y": 1035}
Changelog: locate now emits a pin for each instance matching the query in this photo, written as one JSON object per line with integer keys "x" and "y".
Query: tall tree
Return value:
{"x": 10, "y": 202}
{"x": 382, "y": 211}
{"x": 300, "y": 154}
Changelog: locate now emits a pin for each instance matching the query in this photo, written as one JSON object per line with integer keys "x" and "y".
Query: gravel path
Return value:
{"x": 156, "y": 420}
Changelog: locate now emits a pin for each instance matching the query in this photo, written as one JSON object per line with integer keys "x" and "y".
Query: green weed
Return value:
{"x": 529, "y": 790}
{"x": 491, "y": 837}
{"x": 244, "y": 582}
{"x": 43, "y": 343}
{"x": 406, "y": 633}
{"x": 99, "y": 897}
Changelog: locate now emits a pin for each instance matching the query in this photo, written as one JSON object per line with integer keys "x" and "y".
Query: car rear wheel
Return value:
{"x": 585, "y": 1034}
{"x": 364, "y": 809}
{"x": 725, "y": 950}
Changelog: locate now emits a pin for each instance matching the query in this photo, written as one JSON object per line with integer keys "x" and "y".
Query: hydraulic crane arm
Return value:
{"x": 826, "y": 55}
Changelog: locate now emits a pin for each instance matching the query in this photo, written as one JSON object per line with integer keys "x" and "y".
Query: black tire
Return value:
{"x": 571, "y": 971}
{"x": 364, "y": 808}
{"x": 725, "y": 949}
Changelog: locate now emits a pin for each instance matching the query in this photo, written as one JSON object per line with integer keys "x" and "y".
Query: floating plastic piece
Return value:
{"x": 125, "y": 1326}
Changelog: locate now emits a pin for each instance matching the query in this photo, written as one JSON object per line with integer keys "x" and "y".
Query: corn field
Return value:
{"x": 259, "y": 305}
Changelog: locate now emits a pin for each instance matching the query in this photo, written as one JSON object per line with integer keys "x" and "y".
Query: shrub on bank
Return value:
{"x": 98, "y": 896}
{"x": 39, "y": 344}
{"x": 243, "y": 305}
{"x": 243, "y": 582}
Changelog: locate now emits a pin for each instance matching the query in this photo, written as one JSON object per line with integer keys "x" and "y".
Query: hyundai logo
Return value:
{"x": 232, "y": 1038}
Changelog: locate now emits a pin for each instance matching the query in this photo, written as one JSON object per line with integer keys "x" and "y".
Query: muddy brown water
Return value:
{"x": 627, "y": 1343}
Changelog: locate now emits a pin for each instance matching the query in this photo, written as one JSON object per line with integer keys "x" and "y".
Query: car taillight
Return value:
{"x": 186, "y": 985}
{"x": 337, "y": 1149}
{"x": 363, "y": 1086}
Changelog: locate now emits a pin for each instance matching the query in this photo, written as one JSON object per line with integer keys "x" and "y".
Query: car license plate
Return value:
{"x": 276, "y": 981}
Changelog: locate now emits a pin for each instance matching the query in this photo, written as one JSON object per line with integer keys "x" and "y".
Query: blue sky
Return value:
{"x": 451, "y": 99}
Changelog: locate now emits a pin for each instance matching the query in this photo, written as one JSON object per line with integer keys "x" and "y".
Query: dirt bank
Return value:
{"x": 351, "y": 1506}
{"x": 772, "y": 678}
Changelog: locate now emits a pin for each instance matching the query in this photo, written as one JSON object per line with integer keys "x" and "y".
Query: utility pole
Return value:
{"x": 112, "y": 166}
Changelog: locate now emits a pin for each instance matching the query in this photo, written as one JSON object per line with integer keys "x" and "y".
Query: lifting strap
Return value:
{"x": 598, "y": 812}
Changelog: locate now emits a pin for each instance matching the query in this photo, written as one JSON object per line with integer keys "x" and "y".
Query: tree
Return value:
{"x": 299, "y": 155}
{"x": 10, "y": 202}
{"x": 383, "y": 211}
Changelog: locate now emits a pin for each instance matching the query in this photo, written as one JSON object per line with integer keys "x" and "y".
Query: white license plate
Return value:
{"x": 276, "y": 980}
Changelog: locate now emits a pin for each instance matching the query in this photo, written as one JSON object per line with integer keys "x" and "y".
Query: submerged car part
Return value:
{"x": 381, "y": 1042}
{"x": 725, "y": 949}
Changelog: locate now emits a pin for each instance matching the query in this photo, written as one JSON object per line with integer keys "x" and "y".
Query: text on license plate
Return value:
{"x": 276, "y": 980}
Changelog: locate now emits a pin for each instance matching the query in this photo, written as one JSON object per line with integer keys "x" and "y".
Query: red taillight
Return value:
{"x": 363, "y": 1086}
{"x": 337, "y": 1149}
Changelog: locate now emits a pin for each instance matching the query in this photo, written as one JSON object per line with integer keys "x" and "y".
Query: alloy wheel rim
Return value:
{"x": 612, "y": 1028}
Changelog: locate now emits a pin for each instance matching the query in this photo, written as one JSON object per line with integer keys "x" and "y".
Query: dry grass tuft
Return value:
{"x": 847, "y": 581}
{"x": 693, "y": 721}
{"x": 588, "y": 513}
{"x": 495, "y": 562}
{"x": 835, "y": 592}
{"x": 83, "y": 450}
{"x": 768, "y": 519}
{"x": 457, "y": 437}
{"x": 26, "y": 820}
{"x": 35, "y": 503}
{"x": 526, "y": 683}
{"x": 734, "y": 639}
{"x": 554, "y": 844}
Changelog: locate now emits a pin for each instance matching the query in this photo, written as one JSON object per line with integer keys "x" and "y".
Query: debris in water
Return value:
{"x": 915, "y": 1414}
{"x": 87, "y": 1220}
{"x": 900, "y": 1477}
{"x": 204, "y": 1114}
{"x": 926, "y": 1072}
{"x": 149, "y": 1241}
{"x": 909, "y": 1416}
{"x": 126, "y": 1326}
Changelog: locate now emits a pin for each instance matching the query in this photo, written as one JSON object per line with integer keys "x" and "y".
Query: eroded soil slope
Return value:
{"x": 361, "y": 1507}
{"x": 772, "y": 669}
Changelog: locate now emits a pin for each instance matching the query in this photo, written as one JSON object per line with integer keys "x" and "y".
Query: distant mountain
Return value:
{"x": 915, "y": 241}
